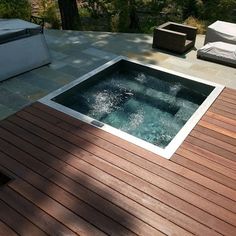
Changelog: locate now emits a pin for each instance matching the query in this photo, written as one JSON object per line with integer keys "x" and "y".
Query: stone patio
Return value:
{"x": 76, "y": 53}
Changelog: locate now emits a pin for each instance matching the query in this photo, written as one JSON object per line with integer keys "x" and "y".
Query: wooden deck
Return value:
{"x": 71, "y": 178}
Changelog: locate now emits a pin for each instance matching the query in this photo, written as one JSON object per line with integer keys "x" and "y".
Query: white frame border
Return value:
{"x": 170, "y": 149}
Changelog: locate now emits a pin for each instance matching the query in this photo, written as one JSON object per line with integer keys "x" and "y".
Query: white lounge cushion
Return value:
{"x": 221, "y": 31}
{"x": 218, "y": 51}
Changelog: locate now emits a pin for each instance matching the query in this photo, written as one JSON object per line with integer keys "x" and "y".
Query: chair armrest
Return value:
{"x": 168, "y": 38}
{"x": 190, "y": 31}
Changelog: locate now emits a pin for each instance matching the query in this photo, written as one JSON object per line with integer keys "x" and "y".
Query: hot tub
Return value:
{"x": 147, "y": 105}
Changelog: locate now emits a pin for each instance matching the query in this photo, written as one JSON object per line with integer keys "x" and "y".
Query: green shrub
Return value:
{"x": 201, "y": 25}
{"x": 51, "y": 14}
{"x": 15, "y": 9}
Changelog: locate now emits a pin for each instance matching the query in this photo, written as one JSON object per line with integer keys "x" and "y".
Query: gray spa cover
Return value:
{"x": 219, "y": 52}
{"x": 221, "y": 31}
{"x": 12, "y": 29}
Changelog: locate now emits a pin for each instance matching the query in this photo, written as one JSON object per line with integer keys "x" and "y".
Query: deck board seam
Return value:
{"x": 22, "y": 217}
{"x": 1, "y": 220}
{"x": 184, "y": 200}
{"x": 207, "y": 226}
{"x": 165, "y": 168}
{"x": 34, "y": 186}
{"x": 156, "y": 175}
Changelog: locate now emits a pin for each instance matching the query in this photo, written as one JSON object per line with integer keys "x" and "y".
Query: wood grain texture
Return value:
{"x": 75, "y": 179}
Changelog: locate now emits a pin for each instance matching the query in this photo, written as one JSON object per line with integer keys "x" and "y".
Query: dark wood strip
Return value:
{"x": 33, "y": 213}
{"x": 167, "y": 226}
{"x": 192, "y": 186}
{"x": 220, "y": 123}
{"x": 212, "y": 148}
{"x": 42, "y": 199}
{"x": 223, "y": 113}
{"x": 168, "y": 213}
{"x": 223, "y": 145}
{"x": 215, "y": 222}
{"x": 215, "y": 134}
{"x": 224, "y": 108}
{"x": 182, "y": 159}
{"x": 228, "y": 95}
{"x": 137, "y": 150}
{"x": 217, "y": 128}
{"x": 201, "y": 160}
{"x": 210, "y": 156}
{"x": 230, "y": 91}
{"x": 152, "y": 218}
{"x": 123, "y": 174}
{"x": 224, "y": 103}
{"x": 221, "y": 118}
{"x": 5, "y": 230}
{"x": 123, "y": 164}
{"x": 17, "y": 222}
{"x": 83, "y": 210}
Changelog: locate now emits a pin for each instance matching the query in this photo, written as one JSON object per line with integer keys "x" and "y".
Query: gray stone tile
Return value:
{"x": 71, "y": 70}
{"x": 21, "y": 88}
{"x": 12, "y": 100}
{"x": 44, "y": 83}
{"x": 99, "y": 53}
{"x": 5, "y": 112}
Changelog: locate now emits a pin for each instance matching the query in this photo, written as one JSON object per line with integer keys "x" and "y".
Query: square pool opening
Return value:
{"x": 147, "y": 105}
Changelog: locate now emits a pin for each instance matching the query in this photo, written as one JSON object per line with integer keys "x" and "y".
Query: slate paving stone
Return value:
{"x": 99, "y": 53}
{"x": 11, "y": 100}
{"x": 21, "y": 88}
{"x": 71, "y": 70}
{"x": 77, "y": 53}
{"x": 5, "y": 112}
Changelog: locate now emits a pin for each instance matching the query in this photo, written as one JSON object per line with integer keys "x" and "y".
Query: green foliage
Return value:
{"x": 219, "y": 10}
{"x": 201, "y": 25}
{"x": 50, "y": 13}
{"x": 15, "y": 9}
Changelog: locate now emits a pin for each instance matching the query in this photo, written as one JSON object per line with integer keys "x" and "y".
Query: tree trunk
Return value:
{"x": 69, "y": 15}
{"x": 133, "y": 17}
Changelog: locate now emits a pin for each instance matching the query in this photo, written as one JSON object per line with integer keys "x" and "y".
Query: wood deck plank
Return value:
{"x": 211, "y": 147}
{"x": 74, "y": 178}
{"x": 224, "y": 103}
{"x": 18, "y": 222}
{"x": 151, "y": 217}
{"x": 33, "y": 213}
{"x": 210, "y": 156}
{"x": 200, "y": 215}
{"x": 85, "y": 147}
{"x": 145, "y": 154}
{"x": 42, "y": 200}
{"x": 216, "y": 135}
{"x": 83, "y": 210}
{"x": 222, "y": 113}
{"x": 144, "y": 164}
{"x": 215, "y": 167}
{"x": 101, "y": 204}
{"x": 155, "y": 206}
{"x": 215, "y": 141}
{"x": 6, "y": 230}
{"x": 112, "y": 171}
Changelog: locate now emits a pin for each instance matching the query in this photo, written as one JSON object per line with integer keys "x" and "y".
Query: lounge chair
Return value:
{"x": 219, "y": 52}
{"x": 174, "y": 37}
{"x": 221, "y": 31}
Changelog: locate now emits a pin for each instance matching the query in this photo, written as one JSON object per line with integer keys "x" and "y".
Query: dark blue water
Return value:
{"x": 141, "y": 105}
